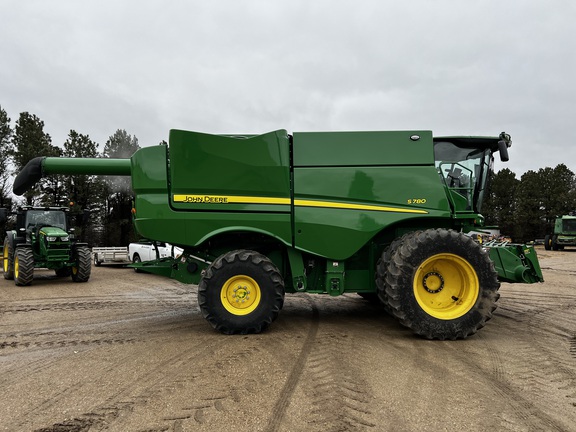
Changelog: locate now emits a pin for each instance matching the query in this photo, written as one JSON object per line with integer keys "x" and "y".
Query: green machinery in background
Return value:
{"x": 42, "y": 238}
{"x": 564, "y": 233}
{"x": 381, "y": 214}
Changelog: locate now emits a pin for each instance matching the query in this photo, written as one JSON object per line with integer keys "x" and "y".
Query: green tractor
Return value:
{"x": 564, "y": 233}
{"x": 42, "y": 239}
{"x": 385, "y": 215}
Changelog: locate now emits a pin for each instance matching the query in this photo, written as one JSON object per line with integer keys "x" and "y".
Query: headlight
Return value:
{"x": 54, "y": 238}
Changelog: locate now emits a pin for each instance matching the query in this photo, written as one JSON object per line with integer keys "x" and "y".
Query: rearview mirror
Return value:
{"x": 503, "y": 149}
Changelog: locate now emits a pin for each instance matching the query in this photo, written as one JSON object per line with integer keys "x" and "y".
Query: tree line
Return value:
{"x": 102, "y": 204}
{"x": 523, "y": 208}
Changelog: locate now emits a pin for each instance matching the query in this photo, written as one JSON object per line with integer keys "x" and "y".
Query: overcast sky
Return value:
{"x": 233, "y": 66}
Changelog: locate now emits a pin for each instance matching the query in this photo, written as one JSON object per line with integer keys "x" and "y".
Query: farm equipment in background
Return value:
{"x": 564, "y": 233}
{"x": 43, "y": 239}
{"x": 381, "y": 214}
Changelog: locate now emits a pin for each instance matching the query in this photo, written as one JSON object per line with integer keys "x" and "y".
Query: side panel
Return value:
{"x": 189, "y": 224}
{"x": 376, "y": 179}
{"x": 223, "y": 173}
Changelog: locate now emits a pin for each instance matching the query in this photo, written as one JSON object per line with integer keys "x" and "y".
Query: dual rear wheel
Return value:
{"x": 439, "y": 283}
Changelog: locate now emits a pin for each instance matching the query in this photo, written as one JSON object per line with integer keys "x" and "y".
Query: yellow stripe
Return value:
{"x": 328, "y": 204}
{"x": 226, "y": 199}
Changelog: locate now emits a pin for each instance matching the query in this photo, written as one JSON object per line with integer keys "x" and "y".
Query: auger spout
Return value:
{"x": 41, "y": 166}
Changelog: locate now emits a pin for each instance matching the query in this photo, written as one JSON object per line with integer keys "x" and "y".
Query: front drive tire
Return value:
{"x": 8, "y": 260}
{"x": 83, "y": 266}
{"x": 23, "y": 266}
{"x": 441, "y": 284}
{"x": 242, "y": 292}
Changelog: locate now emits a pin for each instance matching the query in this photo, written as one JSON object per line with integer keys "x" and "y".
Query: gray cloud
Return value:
{"x": 470, "y": 68}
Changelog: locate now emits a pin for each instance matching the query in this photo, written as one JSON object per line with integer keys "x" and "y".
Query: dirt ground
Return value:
{"x": 131, "y": 352}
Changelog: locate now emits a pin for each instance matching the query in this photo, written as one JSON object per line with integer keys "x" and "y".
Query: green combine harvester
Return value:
{"x": 381, "y": 214}
{"x": 564, "y": 234}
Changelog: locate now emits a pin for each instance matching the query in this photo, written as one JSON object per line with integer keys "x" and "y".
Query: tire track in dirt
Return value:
{"x": 548, "y": 324}
{"x": 279, "y": 411}
{"x": 124, "y": 402}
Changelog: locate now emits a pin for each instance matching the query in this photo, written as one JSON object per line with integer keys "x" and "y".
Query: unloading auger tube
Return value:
{"x": 41, "y": 166}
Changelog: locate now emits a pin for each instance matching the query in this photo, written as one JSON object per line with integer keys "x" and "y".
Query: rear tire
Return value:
{"x": 83, "y": 266}
{"x": 8, "y": 260}
{"x": 242, "y": 292}
{"x": 23, "y": 266}
{"x": 547, "y": 242}
{"x": 441, "y": 284}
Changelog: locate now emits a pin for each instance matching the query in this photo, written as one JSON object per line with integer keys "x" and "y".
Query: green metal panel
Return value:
{"x": 227, "y": 173}
{"x": 157, "y": 218}
{"x": 363, "y": 148}
{"x": 337, "y": 210}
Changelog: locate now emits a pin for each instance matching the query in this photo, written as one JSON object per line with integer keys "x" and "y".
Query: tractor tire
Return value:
{"x": 83, "y": 266}
{"x": 441, "y": 284}
{"x": 554, "y": 243}
{"x": 381, "y": 271}
{"x": 241, "y": 292}
{"x": 8, "y": 260}
{"x": 23, "y": 266}
{"x": 547, "y": 242}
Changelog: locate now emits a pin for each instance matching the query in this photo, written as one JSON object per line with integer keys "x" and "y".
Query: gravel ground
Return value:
{"x": 131, "y": 352}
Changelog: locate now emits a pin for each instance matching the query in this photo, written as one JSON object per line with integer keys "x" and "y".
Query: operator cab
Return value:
{"x": 464, "y": 164}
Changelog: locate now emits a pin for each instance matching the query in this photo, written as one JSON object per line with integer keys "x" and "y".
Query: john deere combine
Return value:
{"x": 381, "y": 214}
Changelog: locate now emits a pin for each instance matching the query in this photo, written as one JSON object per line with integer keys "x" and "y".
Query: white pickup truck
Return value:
{"x": 145, "y": 250}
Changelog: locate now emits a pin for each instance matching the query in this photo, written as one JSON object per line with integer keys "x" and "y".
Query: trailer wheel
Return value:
{"x": 8, "y": 260}
{"x": 241, "y": 292}
{"x": 441, "y": 284}
{"x": 96, "y": 262}
{"x": 23, "y": 266}
{"x": 547, "y": 242}
{"x": 83, "y": 265}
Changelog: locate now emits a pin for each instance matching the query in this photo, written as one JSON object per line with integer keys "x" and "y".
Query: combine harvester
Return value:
{"x": 381, "y": 214}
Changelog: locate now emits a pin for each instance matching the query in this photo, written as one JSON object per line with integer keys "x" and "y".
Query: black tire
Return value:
{"x": 8, "y": 259}
{"x": 23, "y": 266}
{"x": 381, "y": 271}
{"x": 547, "y": 242}
{"x": 224, "y": 293}
{"x": 136, "y": 259}
{"x": 83, "y": 265}
{"x": 441, "y": 284}
{"x": 96, "y": 262}
{"x": 554, "y": 243}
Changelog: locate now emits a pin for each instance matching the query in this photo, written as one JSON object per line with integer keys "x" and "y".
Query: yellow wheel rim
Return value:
{"x": 446, "y": 286}
{"x": 16, "y": 266}
{"x": 5, "y": 258}
{"x": 240, "y": 295}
